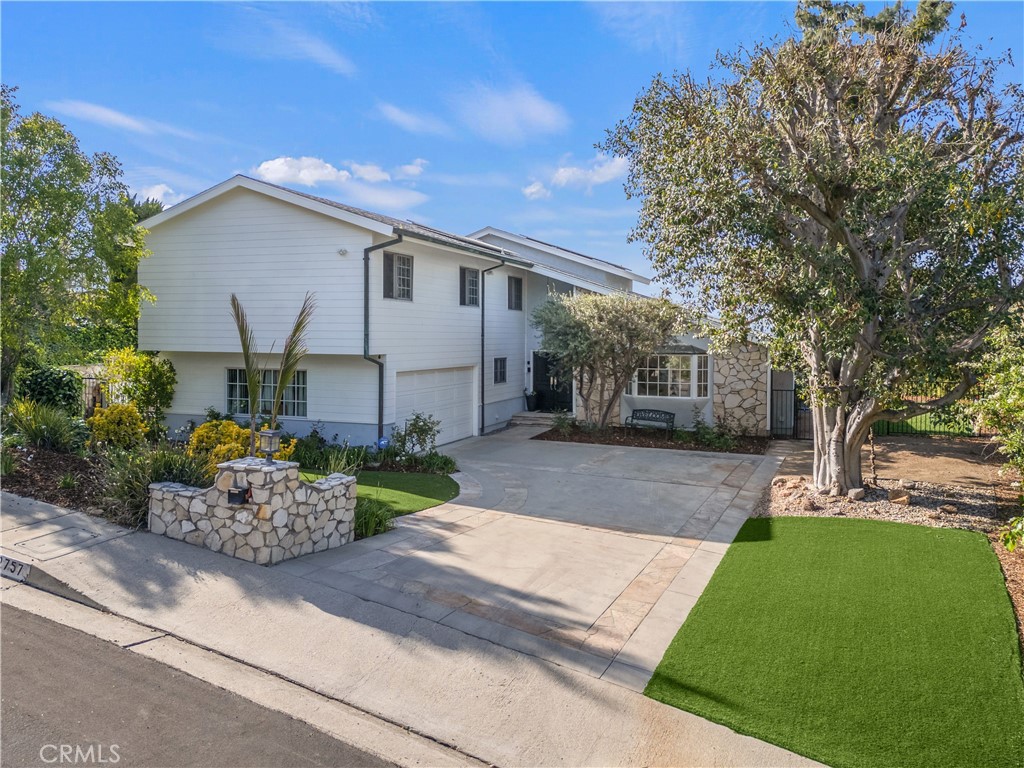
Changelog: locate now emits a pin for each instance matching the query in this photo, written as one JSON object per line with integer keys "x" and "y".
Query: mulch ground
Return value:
{"x": 39, "y": 473}
{"x": 639, "y": 437}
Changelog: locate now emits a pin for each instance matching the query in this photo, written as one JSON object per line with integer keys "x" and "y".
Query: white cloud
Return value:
{"x": 312, "y": 171}
{"x": 602, "y": 169}
{"x": 536, "y": 191}
{"x": 307, "y": 171}
{"x": 161, "y": 192}
{"x": 509, "y": 116}
{"x": 260, "y": 33}
{"x": 298, "y": 45}
{"x": 663, "y": 27}
{"x": 485, "y": 179}
{"x": 369, "y": 172}
{"x": 412, "y": 170}
{"x": 111, "y": 118}
{"x": 413, "y": 122}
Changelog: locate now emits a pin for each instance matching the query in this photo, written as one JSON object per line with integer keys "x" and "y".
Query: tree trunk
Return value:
{"x": 837, "y": 449}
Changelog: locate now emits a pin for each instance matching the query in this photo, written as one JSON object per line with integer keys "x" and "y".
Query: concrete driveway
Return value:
{"x": 584, "y": 555}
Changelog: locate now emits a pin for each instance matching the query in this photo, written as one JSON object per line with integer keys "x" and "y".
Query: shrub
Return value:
{"x": 218, "y": 441}
{"x": 48, "y": 427}
{"x": 128, "y": 474}
{"x": 418, "y": 435}
{"x": 1013, "y": 533}
{"x": 563, "y": 423}
{"x": 372, "y": 516}
{"x": 117, "y": 425}
{"x": 55, "y": 387}
{"x": 437, "y": 463}
{"x": 141, "y": 378}
{"x": 311, "y": 450}
{"x": 8, "y": 460}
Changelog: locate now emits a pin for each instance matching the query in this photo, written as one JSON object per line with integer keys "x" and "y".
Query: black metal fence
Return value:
{"x": 791, "y": 419}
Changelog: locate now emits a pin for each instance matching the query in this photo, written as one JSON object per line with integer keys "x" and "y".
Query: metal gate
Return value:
{"x": 791, "y": 418}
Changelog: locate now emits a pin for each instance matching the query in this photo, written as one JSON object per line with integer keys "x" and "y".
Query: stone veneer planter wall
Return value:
{"x": 740, "y": 390}
{"x": 282, "y": 518}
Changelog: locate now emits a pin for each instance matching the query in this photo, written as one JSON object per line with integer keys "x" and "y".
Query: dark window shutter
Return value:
{"x": 389, "y": 275}
{"x": 462, "y": 286}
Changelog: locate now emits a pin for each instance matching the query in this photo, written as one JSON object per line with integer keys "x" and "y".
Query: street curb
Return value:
{"x": 356, "y": 727}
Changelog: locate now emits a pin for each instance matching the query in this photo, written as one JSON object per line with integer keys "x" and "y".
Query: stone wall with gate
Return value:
{"x": 257, "y": 512}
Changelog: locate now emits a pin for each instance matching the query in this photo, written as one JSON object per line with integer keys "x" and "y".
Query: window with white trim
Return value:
{"x": 469, "y": 287}
{"x": 500, "y": 370}
{"x": 293, "y": 404}
{"x": 397, "y": 276}
{"x": 515, "y": 293}
{"x": 671, "y": 376}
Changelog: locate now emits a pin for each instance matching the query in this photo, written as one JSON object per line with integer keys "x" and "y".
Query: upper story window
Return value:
{"x": 500, "y": 370}
{"x": 671, "y": 376}
{"x": 294, "y": 402}
{"x": 469, "y": 287}
{"x": 515, "y": 292}
{"x": 397, "y": 276}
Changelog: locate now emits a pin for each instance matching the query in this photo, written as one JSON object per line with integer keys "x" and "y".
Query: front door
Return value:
{"x": 553, "y": 394}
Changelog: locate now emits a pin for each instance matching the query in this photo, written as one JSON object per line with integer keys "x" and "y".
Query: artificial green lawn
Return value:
{"x": 856, "y": 643}
{"x": 405, "y": 492}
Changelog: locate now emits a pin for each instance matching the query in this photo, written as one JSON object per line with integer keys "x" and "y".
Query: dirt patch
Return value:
{"x": 641, "y": 437}
{"x": 952, "y": 483}
{"x": 41, "y": 474}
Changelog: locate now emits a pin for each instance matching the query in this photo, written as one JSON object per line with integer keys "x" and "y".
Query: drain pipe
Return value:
{"x": 366, "y": 330}
{"x": 483, "y": 339}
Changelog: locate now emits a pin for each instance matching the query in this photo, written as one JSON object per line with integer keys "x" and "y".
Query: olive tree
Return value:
{"x": 855, "y": 192}
{"x": 600, "y": 340}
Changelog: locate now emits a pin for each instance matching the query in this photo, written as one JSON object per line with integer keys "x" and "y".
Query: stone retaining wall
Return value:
{"x": 282, "y": 517}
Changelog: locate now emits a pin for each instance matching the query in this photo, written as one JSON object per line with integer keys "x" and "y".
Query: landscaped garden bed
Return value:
{"x": 644, "y": 437}
{"x": 64, "y": 479}
{"x": 857, "y": 643}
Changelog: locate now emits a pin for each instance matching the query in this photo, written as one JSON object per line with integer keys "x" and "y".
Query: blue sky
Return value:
{"x": 458, "y": 115}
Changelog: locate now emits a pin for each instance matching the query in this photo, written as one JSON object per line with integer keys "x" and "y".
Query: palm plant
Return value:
{"x": 251, "y": 362}
{"x": 294, "y": 350}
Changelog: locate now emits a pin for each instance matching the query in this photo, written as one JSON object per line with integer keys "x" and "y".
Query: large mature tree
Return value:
{"x": 69, "y": 239}
{"x": 854, "y": 190}
{"x": 600, "y": 341}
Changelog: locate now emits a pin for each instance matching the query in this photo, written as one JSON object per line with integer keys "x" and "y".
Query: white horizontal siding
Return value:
{"x": 270, "y": 254}
{"x": 339, "y": 389}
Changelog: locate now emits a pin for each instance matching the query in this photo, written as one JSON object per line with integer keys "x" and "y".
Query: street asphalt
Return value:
{"x": 63, "y": 689}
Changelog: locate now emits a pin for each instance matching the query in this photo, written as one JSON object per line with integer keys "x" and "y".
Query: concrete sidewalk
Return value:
{"x": 398, "y": 660}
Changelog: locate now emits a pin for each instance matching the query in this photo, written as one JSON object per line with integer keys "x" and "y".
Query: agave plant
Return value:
{"x": 294, "y": 350}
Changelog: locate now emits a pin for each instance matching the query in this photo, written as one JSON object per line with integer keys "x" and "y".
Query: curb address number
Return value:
{"x": 14, "y": 569}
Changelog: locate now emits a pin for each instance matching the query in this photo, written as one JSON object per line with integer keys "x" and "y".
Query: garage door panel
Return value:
{"x": 445, "y": 394}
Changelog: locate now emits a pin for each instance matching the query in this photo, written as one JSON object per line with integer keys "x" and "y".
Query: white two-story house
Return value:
{"x": 408, "y": 319}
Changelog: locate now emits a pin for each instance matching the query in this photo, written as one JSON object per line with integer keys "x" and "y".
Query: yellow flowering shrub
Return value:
{"x": 117, "y": 425}
{"x": 226, "y": 440}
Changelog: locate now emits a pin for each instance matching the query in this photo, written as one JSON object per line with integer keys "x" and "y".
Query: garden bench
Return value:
{"x": 653, "y": 416}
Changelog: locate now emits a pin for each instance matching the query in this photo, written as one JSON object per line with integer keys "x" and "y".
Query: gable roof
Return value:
{"x": 565, "y": 253}
{"x": 375, "y": 222}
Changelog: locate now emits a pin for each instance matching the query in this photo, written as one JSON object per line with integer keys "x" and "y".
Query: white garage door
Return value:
{"x": 444, "y": 393}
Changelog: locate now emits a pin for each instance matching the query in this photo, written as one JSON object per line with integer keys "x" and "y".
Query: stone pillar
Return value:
{"x": 740, "y": 389}
{"x": 278, "y": 516}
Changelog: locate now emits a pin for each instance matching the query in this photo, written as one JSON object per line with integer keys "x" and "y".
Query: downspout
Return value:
{"x": 483, "y": 339}
{"x": 366, "y": 330}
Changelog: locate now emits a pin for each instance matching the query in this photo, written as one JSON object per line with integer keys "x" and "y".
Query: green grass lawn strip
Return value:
{"x": 405, "y": 492}
{"x": 856, "y": 643}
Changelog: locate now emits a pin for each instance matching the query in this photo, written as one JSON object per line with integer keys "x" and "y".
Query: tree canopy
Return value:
{"x": 70, "y": 246}
{"x": 853, "y": 191}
